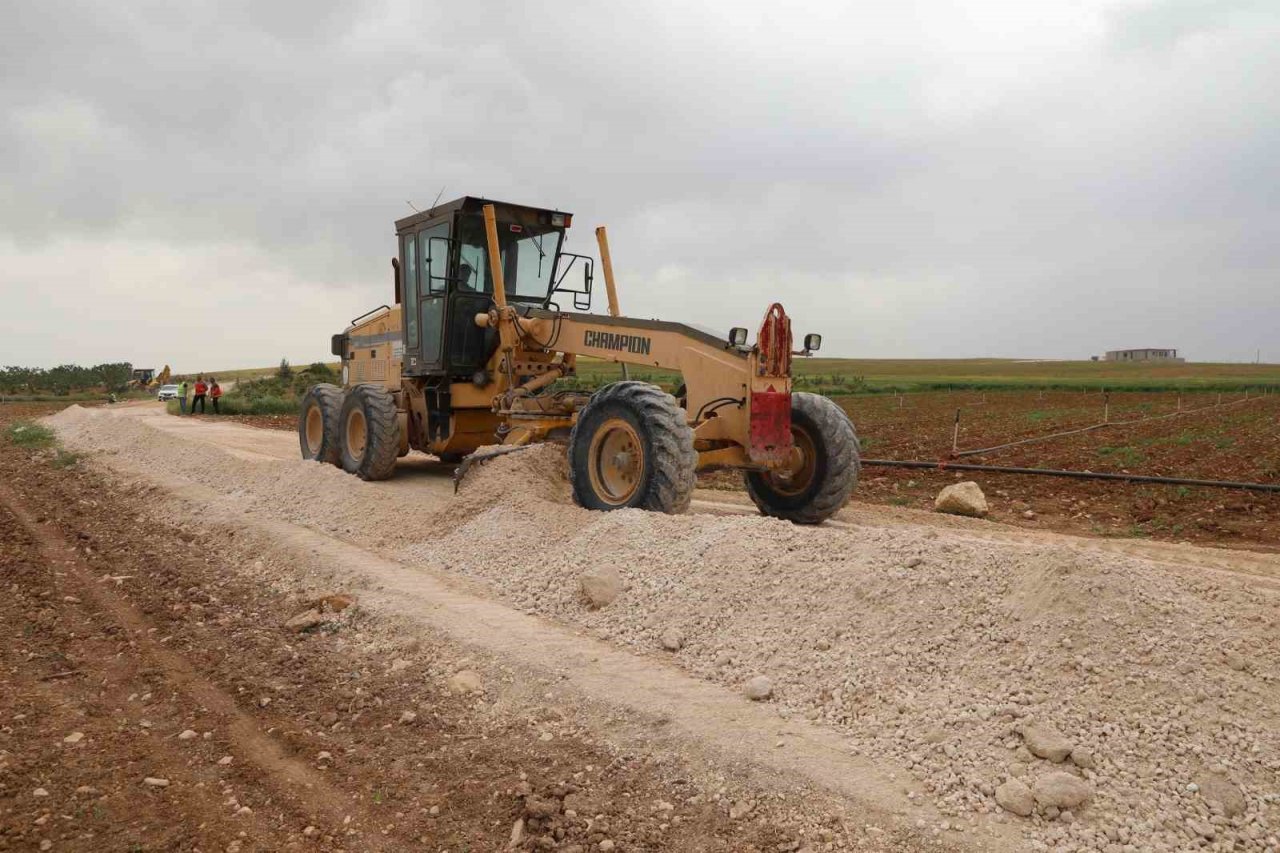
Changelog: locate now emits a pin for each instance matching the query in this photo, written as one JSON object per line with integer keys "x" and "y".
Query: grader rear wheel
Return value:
{"x": 318, "y": 424}
{"x": 369, "y": 433}
{"x": 631, "y": 447}
{"x": 823, "y": 470}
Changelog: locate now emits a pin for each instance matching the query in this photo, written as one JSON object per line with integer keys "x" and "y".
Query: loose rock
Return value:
{"x": 673, "y": 639}
{"x": 600, "y": 586}
{"x": 1061, "y": 790}
{"x": 308, "y": 620}
{"x": 962, "y": 499}
{"x": 758, "y": 688}
{"x": 1014, "y": 796}
{"x": 1217, "y": 788}
{"x": 466, "y": 681}
{"x": 1045, "y": 741}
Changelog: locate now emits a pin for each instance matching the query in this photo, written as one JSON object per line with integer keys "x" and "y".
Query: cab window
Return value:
{"x": 410, "y": 290}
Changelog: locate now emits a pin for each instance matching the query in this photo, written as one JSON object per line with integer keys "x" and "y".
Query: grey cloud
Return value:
{"x": 983, "y": 183}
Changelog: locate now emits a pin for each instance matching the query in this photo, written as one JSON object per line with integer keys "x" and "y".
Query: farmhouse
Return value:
{"x": 1143, "y": 355}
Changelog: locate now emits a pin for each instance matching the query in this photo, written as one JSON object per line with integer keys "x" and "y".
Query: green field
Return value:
{"x": 837, "y": 376}
{"x": 854, "y": 376}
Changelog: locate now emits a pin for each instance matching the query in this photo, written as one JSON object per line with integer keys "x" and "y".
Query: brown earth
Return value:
{"x": 128, "y": 632}
{"x": 1239, "y": 441}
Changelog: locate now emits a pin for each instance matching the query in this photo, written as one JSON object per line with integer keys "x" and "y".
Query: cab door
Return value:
{"x": 425, "y": 260}
{"x": 433, "y": 254}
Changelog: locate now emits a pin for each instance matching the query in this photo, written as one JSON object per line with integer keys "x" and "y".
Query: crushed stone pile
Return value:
{"x": 975, "y": 665}
{"x": 1099, "y": 701}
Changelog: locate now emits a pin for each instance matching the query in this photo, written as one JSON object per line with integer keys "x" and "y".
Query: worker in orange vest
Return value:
{"x": 202, "y": 389}
{"x": 215, "y": 391}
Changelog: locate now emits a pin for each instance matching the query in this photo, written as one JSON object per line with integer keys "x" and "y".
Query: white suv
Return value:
{"x": 167, "y": 392}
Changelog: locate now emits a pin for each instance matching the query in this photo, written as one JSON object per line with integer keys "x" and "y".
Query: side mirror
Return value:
{"x": 737, "y": 337}
{"x": 395, "y": 272}
{"x": 581, "y": 297}
{"x": 812, "y": 343}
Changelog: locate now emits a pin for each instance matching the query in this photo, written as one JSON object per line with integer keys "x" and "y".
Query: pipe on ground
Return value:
{"x": 1077, "y": 475}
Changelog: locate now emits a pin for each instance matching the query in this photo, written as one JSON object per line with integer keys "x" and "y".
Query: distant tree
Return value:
{"x": 284, "y": 372}
{"x": 114, "y": 376}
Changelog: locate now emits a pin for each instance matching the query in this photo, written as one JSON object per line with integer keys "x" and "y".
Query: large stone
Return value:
{"x": 600, "y": 586}
{"x": 1061, "y": 790}
{"x": 1014, "y": 796}
{"x": 962, "y": 499}
{"x": 307, "y": 620}
{"x": 1046, "y": 742}
{"x": 759, "y": 688}
{"x": 1217, "y": 788}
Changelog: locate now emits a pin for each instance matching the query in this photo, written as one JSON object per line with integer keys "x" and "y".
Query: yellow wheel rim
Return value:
{"x": 794, "y": 477}
{"x": 616, "y": 461}
{"x": 314, "y": 429}
{"x": 357, "y": 433}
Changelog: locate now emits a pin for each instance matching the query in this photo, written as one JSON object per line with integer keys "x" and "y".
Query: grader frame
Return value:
{"x": 629, "y": 444}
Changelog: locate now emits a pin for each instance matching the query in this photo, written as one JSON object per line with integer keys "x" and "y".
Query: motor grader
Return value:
{"x": 477, "y": 354}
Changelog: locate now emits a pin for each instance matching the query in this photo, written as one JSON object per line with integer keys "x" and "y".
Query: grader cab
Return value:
{"x": 472, "y": 354}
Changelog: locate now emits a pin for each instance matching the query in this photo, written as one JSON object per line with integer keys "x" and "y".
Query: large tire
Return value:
{"x": 318, "y": 424}
{"x": 828, "y": 466}
{"x": 369, "y": 433}
{"x": 632, "y": 447}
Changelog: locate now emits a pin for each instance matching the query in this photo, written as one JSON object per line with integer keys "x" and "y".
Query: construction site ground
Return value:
{"x": 217, "y": 646}
{"x": 1218, "y": 437}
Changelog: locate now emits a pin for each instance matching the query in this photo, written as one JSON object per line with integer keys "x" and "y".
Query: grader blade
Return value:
{"x": 475, "y": 458}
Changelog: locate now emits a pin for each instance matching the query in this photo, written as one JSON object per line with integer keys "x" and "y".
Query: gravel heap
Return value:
{"x": 1102, "y": 702}
{"x": 1153, "y": 691}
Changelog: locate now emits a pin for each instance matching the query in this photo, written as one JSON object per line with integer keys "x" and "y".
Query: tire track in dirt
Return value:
{"x": 294, "y": 780}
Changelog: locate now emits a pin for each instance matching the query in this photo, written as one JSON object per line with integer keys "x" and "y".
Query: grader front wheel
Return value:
{"x": 631, "y": 447}
{"x": 369, "y": 433}
{"x": 824, "y": 465}
{"x": 318, "y": 424}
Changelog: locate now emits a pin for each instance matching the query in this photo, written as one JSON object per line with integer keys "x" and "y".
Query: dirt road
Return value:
{"x": 915, "y": 662}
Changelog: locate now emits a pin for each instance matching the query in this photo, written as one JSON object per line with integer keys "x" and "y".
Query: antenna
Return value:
{"x": 415, "y": 210}
{"x": 433, "y": 204}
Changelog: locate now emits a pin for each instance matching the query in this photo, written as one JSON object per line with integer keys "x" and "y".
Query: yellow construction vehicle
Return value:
{"x": 471, "y": 352}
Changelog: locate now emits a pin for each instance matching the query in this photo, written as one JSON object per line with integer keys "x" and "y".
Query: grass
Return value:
{"x": 64, "y": 458}
{"x": 29, "y": 434}
{"x": 36, "y": 436}
{"x": 233, "y": 405}
{"x": 1127, "y": 456}
{"x": 79, "y": 397}
{"x": 844, "y": 376}
{"x": 838, "y": 377}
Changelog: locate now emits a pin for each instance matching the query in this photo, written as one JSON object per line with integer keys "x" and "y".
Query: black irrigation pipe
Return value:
{"x": 1077, "y": 475}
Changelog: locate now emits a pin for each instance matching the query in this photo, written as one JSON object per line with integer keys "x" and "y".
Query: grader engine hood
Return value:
{"x": 770, "y": 405}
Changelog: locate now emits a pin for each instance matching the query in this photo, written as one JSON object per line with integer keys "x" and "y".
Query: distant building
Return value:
{"x": 1143, "y": 355}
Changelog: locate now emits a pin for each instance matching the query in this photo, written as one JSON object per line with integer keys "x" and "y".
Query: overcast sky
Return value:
{"x": 214, "y": 185}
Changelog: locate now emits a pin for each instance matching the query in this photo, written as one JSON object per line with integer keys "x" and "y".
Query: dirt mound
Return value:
{"x": 528, "y": 477}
